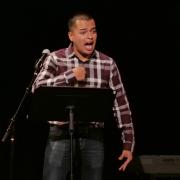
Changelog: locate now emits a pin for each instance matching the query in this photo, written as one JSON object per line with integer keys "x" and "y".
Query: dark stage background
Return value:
{"x": 142, "y": 37}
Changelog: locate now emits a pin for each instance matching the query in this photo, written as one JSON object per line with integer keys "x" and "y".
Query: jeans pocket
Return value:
{"x": 56, "y": 132}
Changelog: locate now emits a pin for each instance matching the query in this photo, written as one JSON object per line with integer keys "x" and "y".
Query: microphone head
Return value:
{"x": 46, "y": 51}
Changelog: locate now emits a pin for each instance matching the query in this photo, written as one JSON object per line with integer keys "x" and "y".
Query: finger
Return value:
{"x": 124, "y": 165}
{"x": 122, "y": 168}
{"x": 120, "y": 157}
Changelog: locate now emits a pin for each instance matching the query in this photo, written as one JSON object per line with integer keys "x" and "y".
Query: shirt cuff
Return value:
{"x": 127, "y": 146}
{"x": 69, "y": 76}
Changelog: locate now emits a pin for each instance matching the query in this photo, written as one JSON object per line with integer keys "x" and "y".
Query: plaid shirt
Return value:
{"x": 101, "y": 72}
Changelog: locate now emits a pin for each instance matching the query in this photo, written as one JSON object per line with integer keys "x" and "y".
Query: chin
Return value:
{"x": 86, "y": 53}
{"x": 89, "y": 52}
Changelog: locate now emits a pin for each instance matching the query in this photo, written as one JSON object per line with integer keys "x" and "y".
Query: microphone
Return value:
{"x": 39, "y": 62}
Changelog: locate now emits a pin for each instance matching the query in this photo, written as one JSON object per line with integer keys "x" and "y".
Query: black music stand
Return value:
{"x": 73, "y": 105}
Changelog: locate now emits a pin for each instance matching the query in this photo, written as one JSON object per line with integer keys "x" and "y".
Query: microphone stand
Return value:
{"x": 11, "y": 128}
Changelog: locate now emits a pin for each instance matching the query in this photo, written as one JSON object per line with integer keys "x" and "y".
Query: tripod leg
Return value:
{"x": 11, "y": 165}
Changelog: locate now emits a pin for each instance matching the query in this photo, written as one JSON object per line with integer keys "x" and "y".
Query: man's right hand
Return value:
{"x": 80, "y": 73}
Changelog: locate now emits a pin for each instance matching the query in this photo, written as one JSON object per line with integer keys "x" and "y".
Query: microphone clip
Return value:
{"x": 40, "y": 61}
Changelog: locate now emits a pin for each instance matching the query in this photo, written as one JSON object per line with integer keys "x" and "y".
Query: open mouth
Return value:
{"x": 89, "y": 46}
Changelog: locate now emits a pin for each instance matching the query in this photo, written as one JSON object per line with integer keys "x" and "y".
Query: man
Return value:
{"x": 80, "y": 65}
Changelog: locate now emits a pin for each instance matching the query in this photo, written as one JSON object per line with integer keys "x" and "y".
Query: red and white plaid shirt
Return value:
{"x": 101, "y": 72}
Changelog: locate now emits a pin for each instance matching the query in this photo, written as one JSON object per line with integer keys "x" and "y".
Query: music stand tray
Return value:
{"x": 90, "y": 104}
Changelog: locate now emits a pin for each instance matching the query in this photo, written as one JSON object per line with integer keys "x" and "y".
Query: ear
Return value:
{"x": 70, "y": 35}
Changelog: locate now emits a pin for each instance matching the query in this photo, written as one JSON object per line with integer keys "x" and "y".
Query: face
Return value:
{"x": 83, "y": 35}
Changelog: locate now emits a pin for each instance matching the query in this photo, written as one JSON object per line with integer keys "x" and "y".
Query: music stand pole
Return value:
{"x": 71, "y": 132}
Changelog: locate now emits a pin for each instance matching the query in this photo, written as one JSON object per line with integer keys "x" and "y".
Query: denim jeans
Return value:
{"x": 88, "y": 158}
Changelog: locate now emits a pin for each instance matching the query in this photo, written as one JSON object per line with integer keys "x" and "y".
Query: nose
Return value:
{"x": 90, "y": 35}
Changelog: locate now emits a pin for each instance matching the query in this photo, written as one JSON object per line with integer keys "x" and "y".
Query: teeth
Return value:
{"x": 89, "y": 47}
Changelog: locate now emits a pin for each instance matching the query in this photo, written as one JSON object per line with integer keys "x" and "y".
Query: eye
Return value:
{"x": 82, "y": 32}
{"x": 94, "y": 31}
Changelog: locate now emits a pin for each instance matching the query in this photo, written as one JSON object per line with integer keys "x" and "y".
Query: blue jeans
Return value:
{"x": 88, "y": 154}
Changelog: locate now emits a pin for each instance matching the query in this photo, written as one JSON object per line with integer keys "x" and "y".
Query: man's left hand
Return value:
{"x": 126, "y": 154}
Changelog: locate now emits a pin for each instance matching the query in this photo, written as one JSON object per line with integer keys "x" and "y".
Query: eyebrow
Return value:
{"x": 82, "y": 29}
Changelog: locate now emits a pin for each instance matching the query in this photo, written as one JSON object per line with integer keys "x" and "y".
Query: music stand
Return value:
{"x": 72, "y": 104}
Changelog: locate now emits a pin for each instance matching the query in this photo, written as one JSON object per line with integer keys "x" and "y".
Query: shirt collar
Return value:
{"x": 71, "y": 53}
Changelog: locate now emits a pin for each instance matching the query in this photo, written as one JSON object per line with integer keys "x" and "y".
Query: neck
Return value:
{"x": 81, "y": 57}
